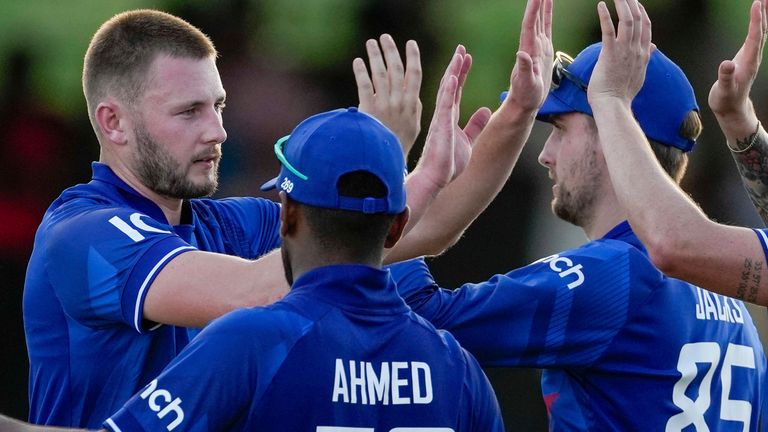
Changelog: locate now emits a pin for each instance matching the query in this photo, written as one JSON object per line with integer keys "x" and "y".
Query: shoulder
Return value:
{"x": 264, "y": 327}
{"x": 233, "y": 205}
{"x": 597, "y": 263}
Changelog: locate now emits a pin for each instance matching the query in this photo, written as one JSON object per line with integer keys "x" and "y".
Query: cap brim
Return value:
{"x": 553, "y": 106}
{"x": 268, "y": 186}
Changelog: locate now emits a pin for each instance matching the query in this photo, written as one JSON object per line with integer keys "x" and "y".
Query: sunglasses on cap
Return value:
{"x": 560, "y": 71}
{"x": 281, "y": 157}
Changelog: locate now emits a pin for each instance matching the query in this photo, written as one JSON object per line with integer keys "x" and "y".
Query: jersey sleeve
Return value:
{"x": 102, "y": 261}
{"x": 218, "y": 377}
{"x": 251, "y": 225}
{"x": 562, "y": 310}
{"x": 762, "y": 236}
{"x": 207, "y": 387}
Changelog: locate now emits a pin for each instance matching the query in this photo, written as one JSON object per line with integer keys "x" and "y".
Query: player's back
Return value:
{"x": 372, "y": 364}
{"x": 341, "y": 350}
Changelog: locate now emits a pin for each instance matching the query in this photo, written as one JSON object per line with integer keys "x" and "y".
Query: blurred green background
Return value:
{"x": 282, "y": 60}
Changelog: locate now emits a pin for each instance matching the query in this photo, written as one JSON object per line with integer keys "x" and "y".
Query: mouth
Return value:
{"x": 208, "y": 159}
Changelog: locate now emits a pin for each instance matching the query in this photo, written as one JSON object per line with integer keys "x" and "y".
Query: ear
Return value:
{"x": 396, "y": 230}
{"x": 288, "y": 214}
{"x": 111, "y": 118}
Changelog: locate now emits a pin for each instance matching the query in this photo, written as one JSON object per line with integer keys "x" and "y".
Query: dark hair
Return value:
{"x": 672, "y": 159}
{"x": 356, "y": 234}
{"x": 124, "y": 47}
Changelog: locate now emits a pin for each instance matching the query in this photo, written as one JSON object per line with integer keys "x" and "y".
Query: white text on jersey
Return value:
{"x": 563, "y": 266}
{"x": 152, "y": 394}
{"x": 713, "y": 306}
{"x": 361, "y": 382}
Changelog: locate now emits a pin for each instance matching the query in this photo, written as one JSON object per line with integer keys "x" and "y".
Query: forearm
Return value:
{"x": 494, "y": 155}
{"x": 680, "y": 239}
{"x": 659, "y": 211}
{"x": 749, "y": 148}
{"x": 198, "y": 287}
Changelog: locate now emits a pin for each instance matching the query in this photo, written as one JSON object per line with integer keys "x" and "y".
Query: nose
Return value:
{"x": 214, "y": 128}
{"x": 547, "y": 157}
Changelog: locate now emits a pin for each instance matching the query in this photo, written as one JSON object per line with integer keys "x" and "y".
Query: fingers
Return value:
{"x": 413, "y": 73}
{"x": 606, "y": 25}
{"x": 466, "y": 65}
{"x": 764, "y": 14}
{"x": 645, "y": 39}
{"x": 477, "y": 123}
{"x": 395, "y": 70}
{"x": 756, "y": 33}
{"x": 363, "y": 81}
{"x": 547, "y": 18}
{"x": 626, "y": 25}
{"x": 378, "y": 69}
{"x": 528, "y": 28}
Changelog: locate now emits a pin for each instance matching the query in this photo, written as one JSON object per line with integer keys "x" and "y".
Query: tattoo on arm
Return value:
{"x": 749, "y": 284}
{"x": 753, "y": 168}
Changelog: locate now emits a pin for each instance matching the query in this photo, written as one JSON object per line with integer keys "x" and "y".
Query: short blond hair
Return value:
{"x": 124, "y": 47}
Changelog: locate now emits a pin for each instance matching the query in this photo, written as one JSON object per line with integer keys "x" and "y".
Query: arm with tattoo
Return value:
{"x": 751, "y": 156}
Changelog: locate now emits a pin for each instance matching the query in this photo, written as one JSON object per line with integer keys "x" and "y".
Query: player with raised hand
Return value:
{"x": 681, "y": 239}
{"x": 497, "y": 146}
{"x": 360, "y": 357}
{"x": 603, "y": 322}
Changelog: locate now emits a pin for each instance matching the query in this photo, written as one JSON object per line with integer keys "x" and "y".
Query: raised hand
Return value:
{"x": 620, "y": 69}
{"x": 729, "y": 95}
{"x": 448, "y": 146}
{"x": 531, "y": 76}
{"x": 391, "y": 92}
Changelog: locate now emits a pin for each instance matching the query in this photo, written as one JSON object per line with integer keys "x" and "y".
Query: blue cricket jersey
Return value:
{"x": 340, "y": 352}
{"x": 625, "y": 348}
{"x": 99, "y": 247}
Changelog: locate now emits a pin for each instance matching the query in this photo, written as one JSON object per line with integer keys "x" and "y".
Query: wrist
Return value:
{"x": 737, "y": 124}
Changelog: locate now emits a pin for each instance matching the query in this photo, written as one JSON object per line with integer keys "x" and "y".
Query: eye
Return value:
{"x": 220, "y": 106}
{"x": 188, "y": 112}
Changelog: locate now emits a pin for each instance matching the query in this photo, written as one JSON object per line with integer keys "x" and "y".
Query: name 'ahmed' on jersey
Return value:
{"x": 396, "y": 383}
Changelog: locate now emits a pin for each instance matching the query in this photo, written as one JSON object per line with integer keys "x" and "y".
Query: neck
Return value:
{"x": 171, "y": 207}
{"x": 313, "y": 258}
{"x": 608, "y": 213}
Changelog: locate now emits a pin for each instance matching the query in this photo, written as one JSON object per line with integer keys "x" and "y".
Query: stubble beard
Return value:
{"x": 158, "y": 171}
{"x": 575, "y": 203}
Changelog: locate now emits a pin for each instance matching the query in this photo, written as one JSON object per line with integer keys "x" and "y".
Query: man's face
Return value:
{"x": 177, "y": 128}
{"x": 576, "y": 164}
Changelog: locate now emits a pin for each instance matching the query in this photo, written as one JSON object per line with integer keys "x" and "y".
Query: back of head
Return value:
{"x": 348, "y": 171}
{"x": 665, "y": 107}
{"x": 124, "y": 47}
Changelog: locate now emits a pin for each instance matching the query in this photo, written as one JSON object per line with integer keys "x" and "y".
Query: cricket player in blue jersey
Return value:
{"x": 123, "y": 265}
{"x": 681, "y": 239}
{"x": 342, "y": 350}
{"x": 624, "y": 347}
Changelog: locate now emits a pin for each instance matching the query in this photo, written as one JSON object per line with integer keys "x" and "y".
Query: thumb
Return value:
{"x": 524, "y": 63}
{"x": 726, "y": 74}
{"x": 477, "y": 123}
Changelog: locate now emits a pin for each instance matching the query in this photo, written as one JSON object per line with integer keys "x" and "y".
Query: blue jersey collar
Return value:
{"x": 354, "y": 288}
{"x": 623, "y": 232}
{"x": 103, "y": 173}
